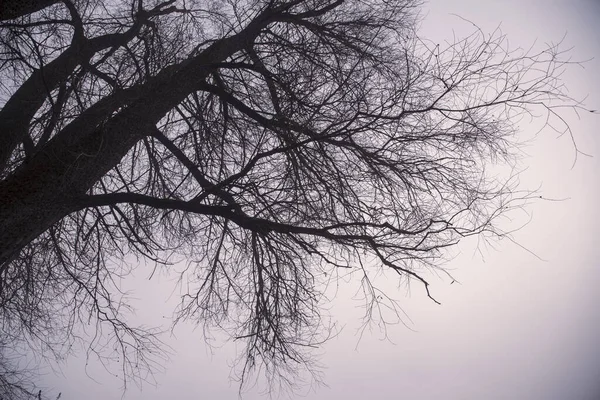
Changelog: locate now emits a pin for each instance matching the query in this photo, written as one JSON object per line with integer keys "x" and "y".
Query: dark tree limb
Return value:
{"x": 11, "y": 9}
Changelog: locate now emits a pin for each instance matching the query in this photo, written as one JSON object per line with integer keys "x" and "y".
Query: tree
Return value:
{"x": 267, "y": 143}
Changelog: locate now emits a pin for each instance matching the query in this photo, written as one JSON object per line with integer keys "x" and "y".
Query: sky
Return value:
{"x": 515, "y": 326}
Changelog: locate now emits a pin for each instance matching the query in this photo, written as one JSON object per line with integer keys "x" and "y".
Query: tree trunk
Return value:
{"x": 10, "y": 9}
{"x": 19, "y": 110}
{"x": 47, "y": 188}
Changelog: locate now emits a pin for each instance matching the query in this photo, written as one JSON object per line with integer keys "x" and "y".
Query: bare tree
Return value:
{"x": 268, "y": 143}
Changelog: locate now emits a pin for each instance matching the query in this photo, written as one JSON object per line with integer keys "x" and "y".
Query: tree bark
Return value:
{"x": 17, "y": 113}
{"x": 10, "y": 9}
{"x": 47, "y": 188}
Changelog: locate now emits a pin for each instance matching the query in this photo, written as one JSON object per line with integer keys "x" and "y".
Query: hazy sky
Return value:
{"x": 515, "y": 327}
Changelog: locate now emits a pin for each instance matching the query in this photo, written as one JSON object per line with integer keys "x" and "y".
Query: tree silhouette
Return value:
{"x": 267, "y": 143}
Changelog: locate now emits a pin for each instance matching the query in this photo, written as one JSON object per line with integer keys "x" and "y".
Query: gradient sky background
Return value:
{"x": 516, "y": 327}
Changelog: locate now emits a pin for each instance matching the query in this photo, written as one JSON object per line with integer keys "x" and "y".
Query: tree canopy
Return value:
{"x": 267, "y": 144}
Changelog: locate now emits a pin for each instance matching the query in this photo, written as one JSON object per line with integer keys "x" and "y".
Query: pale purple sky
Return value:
{"x": 515, "y": 328}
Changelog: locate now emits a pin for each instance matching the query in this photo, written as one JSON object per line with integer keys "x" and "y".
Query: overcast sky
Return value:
{"x": 516, "y": 327}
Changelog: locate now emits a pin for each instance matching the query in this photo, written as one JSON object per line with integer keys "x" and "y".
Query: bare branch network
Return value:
{"x": 267, "y": 143}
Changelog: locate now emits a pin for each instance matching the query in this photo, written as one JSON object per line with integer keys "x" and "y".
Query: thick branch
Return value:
{"x": 258, "y": 225}
{"x": 72, "y": 162}
{"x": 16, "y": 115}
{"x": 11, "y": 9}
